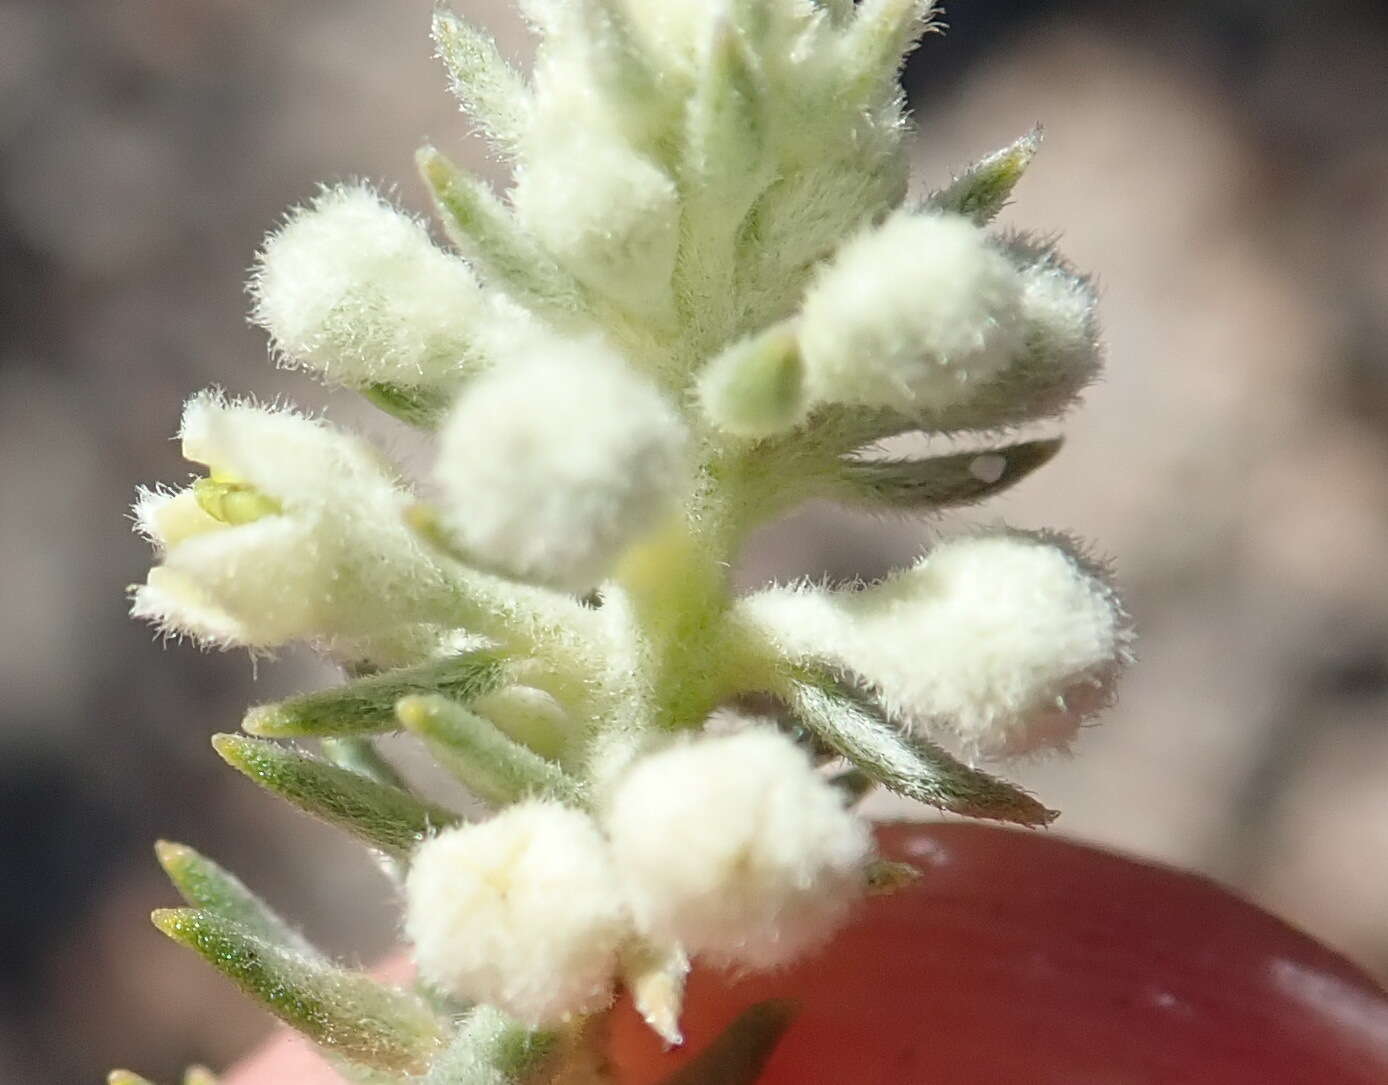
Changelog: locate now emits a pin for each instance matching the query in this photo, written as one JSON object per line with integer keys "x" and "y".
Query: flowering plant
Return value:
{"x": 706, "y": 299}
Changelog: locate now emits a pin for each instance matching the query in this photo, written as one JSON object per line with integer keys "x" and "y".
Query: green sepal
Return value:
{"x": 415, "y": 404}
{"x": 942, "y": 482}
{"x": 983, "y": 189}
{"x": 489, "y": 763}
{"x": 903, "y": 763}
{"x": 489, "y": 235}
{"x": 367, "y": 705}
{"x": 385, "y": 817}
{"x": 205, "y": 885}
{"x": 738, "y": 1056}
{"x": 756, "y": 388}
{"x": 491, "y": 1049}
{"x": 490, "y": 90}
{"x": 346, "y": 1012}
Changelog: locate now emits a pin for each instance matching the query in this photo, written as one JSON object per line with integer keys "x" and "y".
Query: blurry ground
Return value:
{"x": 1223, "y": 166}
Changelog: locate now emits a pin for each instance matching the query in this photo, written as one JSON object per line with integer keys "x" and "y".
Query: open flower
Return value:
{"x": 297, "y": 533}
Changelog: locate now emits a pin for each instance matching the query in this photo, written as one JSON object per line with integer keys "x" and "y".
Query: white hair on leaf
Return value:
{"x": 735, "y": 848}
{"x": 1009, "y": 640}
{"x": 523, "y": 912}
{"x": 354, "y": 288}
{"x": 914, "y": 314}
{"x": 553, "y": 464}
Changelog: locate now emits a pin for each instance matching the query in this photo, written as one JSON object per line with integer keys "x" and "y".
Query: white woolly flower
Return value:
{"x": 554, "y": 463}
{"x": 1007, "y": 639}
{"x": 297, "y": 534}
{"x": 607, "y": 214}
{"x": 734, "y": 848}
{"x": 523, "y": 912}
{"x": 354, "y": 288}
{"x": 914, "y": 315}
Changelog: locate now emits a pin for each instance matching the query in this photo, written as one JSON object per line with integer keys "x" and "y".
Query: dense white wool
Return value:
{"x": 523, "y": 912}
{"x": 1062, "y": 325}
{"x": 552, "y": 464}
{"x": 913, "y": 314}
{"x": 1007, "y": 639}
{"x": 353, "y": 287}
{"x": 734, "y": 848}
{"x": 331, "y": 556}
{"x": 607, "y": 214}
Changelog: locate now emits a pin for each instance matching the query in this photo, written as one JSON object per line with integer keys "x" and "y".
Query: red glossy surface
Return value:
{"x": 1021, "y": 959}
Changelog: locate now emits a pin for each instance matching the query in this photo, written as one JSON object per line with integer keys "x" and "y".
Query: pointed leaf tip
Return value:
{"x": 385, "y": 817}
{"x": 344, "y": 1011}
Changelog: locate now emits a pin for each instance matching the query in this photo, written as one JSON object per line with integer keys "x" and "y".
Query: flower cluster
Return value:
{"x": 705, "y": 299}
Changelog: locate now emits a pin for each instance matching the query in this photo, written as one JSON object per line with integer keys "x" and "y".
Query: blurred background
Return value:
{"x": 1222, "y": 165}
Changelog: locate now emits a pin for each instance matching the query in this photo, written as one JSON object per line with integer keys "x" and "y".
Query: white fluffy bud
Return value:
{"x": 734, "y": 848}
{"x": 1007, "y": 639}
{"x": 523, "y": 912}
{"x": 608, "y": 215}
{"x": 298, "y": 534}
{"x": 554, "y": 463}
{"x": 914, "y": 314}
{"x": 353, "y": 287}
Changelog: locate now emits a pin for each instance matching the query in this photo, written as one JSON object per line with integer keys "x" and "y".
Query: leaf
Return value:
{"x": 876, "y": 42}
{"x": 385, "y": 817}
{"x": 367, "y": 705}
{"x": 942, "y": 482}
{"x": 488, "y": 235}
{"x": 346, "y": 1012}
{"x": 491, "y": 91}
{"x": 491, "y": 1049}
{"x": 203, "y": 884}
{"x": 740, "y": 1054}
{"x": 906, "y": 764}
{"x": 983, "y": 189}
{"x": 125, "y": 1077}
{"x": 727, "y": 139}
{"x": 492, "y": 765}
{"x": 418, "y": 405}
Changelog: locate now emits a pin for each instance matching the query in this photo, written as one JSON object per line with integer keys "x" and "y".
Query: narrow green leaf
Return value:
{"x": 491, "y": 91}
{"x": 487, "y": 233}
{"x": 490, "y": 764}
{"x": 417, "y": 405}
{"x": 983, "y": 189}
{"x": 740, "y": 1054}
{"x": 203, "y": 884}
{"x": 367, "y": 705}
{"x": 385, "y": 817}
{"x": 905, "y": 764}
{"x": 942, "y": 482}
{"x": 346, "y": 1012}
